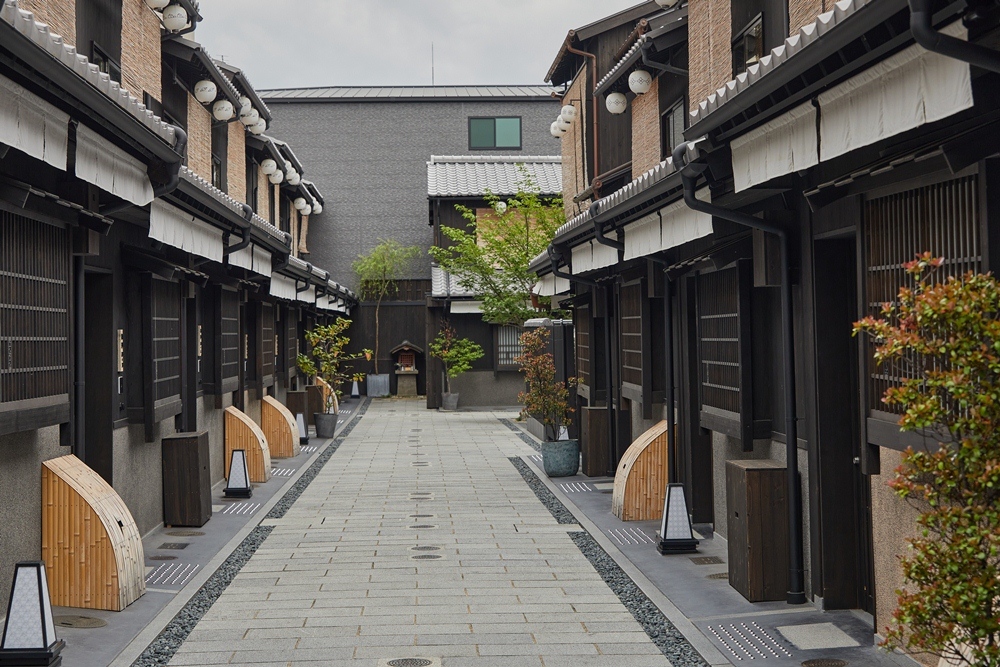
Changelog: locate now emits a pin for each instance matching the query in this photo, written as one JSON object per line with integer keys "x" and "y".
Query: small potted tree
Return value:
{"x": 457, "y": 355}
{"x": 377, "y": 274}
{"x": 547, "y": 400}
{"x": 329, "y": 361}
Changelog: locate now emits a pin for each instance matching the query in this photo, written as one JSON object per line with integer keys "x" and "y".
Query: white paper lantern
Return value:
{"x": 639, "y": 81}
{"x": 249, "y": 116}
{"x": 157, "y": 4}
{"x": 295, "y": 178}
{"x": 299, "y": 203}
{"x": 245, "y": 103}
{"x": 175, "y": 18}
{"x": 205, "y": 91}
{"x": 276, "y": 177}
{"x": 288, "y": 167}
{"x": 501, "y": 207}
{"x": 268, "y": 167}
{"x": 563, "y": 124}
{"x": 222, "y": 110}
{"x": 258, "y": 127}
{"x": 317, "y": 209}
{"x": 568, "y": 112}
{"x": 307, "y": 210}
{"x": 616, "y": 103}
{"x": 555, "y": 130}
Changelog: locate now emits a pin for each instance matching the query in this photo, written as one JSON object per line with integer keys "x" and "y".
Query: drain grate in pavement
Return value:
{"x": 748, "y": 641}
{"x": 421, "y": 516}
{"x": 425, "y": 548}
{"x": 426, "y": 557}
{"x": 718, "y": 575}
{"x": 824, "y": 662}
{"x": 309, "y": 449}
{"x": 427, "y": 526}
{"x": 85, "y": 622}
{"x": 409, "y": 662}
{"x": 625, "y": 536}
{"x": 706, "y": 560}
{"x": 171, "y": 574}
{"x": 282, "y": 472}
{"x": 242, "y": 508}
{"x": 174, "y": 545}
{"x": 573, "y": 487}
{"x": 185, "y": 533}
{"x": 163, "y": 558}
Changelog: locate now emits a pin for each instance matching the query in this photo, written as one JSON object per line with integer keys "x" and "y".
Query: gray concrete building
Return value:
{"x": 368, "y": 148}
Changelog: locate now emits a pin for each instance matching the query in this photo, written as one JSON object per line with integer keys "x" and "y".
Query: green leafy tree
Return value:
{"x": 943, "y": 337}
{"x": 547, "y": 400}
{"x": 457, "y": 354}
{"x": 378, "y": 272}
{"x": 491, "y": 254}
{"x": 328, "y": 358}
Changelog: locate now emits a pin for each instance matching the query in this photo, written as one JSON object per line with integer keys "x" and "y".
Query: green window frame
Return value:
{"x": 494, "y": 132}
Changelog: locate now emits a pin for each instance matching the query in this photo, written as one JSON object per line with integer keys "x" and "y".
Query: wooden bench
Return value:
{"x": 90, "y": 544}
{"x": 243, "y": 433}
{"x": 641, "y": 478}
{"x": 280, "y": 429}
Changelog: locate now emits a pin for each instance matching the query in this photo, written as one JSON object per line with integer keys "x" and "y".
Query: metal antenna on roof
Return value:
{"x": 432, "y": 63}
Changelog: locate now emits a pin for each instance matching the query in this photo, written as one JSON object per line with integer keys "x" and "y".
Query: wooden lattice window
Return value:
{"x": 943, "y": 219}
{"x": 34, "y": 311}
{"x": 267, "y": 340}
{"x": 291, "y": 339}
{"x": 631, "y": 333}
{"x": 719, "y": 340}
{"x": 508, "y": 346}
{"x": 165, "y": 309}
{"x": 229, "y": 337}
{"x": 583, "y": 352}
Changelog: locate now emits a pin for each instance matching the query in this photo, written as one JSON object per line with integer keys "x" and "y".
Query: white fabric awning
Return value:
{"x": 282, "y": 287}
{"x": 32, "y": 125}
{"x": 643, "y": 237}
{"x": 673, "y": 225}
{"x": 904, "y": 91}
{"x": 309, "y": 295}
{"x": 583, "y": 258}
{"x": 550, "y": 285}
{"x": 252, "y": 258}
{"x": 180, "y": 229}
{"x": 103, "y": 164}
{"x": 466, "y": 307}
{"x": 603, "y": 255}
{"x": 778, "y": 147}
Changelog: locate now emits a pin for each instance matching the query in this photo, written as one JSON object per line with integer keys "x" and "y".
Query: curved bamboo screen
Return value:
{"x": 641, "y": 478}
{"x": 243, "y": 433}
{"x": 280, "y": 429}
{"x": 90, "y": 543}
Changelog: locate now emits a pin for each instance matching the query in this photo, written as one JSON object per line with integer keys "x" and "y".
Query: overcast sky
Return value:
{"x": 299, "y": 43}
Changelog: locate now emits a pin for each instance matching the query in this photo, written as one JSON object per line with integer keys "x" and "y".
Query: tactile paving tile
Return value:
{"x": 748, "y": 641}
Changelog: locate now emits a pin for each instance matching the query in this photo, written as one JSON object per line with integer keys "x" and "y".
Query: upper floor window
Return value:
{"x": 748, "y": 45}
{"x": 671, "y": 128}
{"x": 252, "y": 184}
{"x": 106, "y": 63}
{"x": 220, "y": 147}
{"x": 490, "y": 133}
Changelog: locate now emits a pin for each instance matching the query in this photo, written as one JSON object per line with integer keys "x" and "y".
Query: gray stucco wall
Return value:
{"x": 369, "y": 159}
{"x": 486, "y": 388}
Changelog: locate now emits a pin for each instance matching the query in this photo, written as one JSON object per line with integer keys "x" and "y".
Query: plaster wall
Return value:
{"x": 486, "y": 389}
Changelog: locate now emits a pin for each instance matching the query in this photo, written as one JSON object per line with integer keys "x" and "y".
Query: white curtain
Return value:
{"x": 643, "y": 236}
{"x": 603, "y": 255}
{"x": 252, "y": 258}
{"x": 101, "y": 163}
{"x": 900, "y": 93}
{"x": 179, "y": 229}
{"x": 778, "y": 147}
{"x": 583, "y": 258}
{"x": 282, "y": 287}
{"x": 32, "y": 125}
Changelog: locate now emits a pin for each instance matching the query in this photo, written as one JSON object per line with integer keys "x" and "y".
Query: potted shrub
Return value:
{"x": 457, "y": 355}
{"x": 328, "y": 360}
{"x": 377, "y": 274}
{"x": 548, "y": 401}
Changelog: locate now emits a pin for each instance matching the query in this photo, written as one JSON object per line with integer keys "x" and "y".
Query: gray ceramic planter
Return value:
{"x": 561, "y": 458}
{"x": 326, "y": 424}
{"x": 449, "y": 401}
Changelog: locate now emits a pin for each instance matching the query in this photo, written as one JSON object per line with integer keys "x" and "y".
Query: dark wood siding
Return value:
{"x": 34, "y": 310}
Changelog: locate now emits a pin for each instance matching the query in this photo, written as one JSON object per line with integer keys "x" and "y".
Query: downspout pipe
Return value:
{"x": 593, "y": 91}
{"x": 663, "y": 67}
{"x": 244, "y": 233}
{"x": 554, "y": 256}
{"x": 921, "y": 25}
{"x": 689, "y": 178}
{"x": 599, "y": 234}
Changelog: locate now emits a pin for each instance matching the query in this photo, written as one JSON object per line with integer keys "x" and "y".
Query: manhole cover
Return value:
{"x": 706, "y": 560}
{"x": 718, "y": 575}
{"x": 424, "y": 525}
{"x": 86, "y": 622}
{"x": 163, "y": 558}
{"x": 185, "y": 533}
{"x": 425, "y": 548}
{"x": 409, "y": 662}
{"x": 824, "y": 662}
{"x": 426, "y": 557}
{"x": 174, "y": 545}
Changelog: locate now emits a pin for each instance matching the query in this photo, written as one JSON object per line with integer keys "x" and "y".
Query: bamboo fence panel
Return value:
{"x": 243, "y": 433}
{"x": 641, "y": 478}
{"x": 280, "y": 429}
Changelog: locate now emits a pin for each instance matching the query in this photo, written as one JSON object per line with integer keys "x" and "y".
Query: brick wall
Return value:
{"x": 293, "y": 224}
{"x": 709, "y": 48}
{"x": 262, "y": 185}
{"x": 236, "y": 162}
{"x": 802, "y": 12}
{"x": 199, "y": 148}
{"x": 140, "y": 49}
{"x": 60, "y": 15}
{"x": 574, "y": 170}
{"x": 646, "y": 130}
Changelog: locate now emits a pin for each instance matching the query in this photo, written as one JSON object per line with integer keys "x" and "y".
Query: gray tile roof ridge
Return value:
{"x": 403, "y": 92}
{"x": 516, "y": 159}
{"x": 24, "y": 22}
{"x": 651, "y": 34}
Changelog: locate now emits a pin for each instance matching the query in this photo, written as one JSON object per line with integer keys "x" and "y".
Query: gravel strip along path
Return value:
{"x": 521, "y": 434}
{"x": 162, "y": 649}
{"x": 671, "y": 643}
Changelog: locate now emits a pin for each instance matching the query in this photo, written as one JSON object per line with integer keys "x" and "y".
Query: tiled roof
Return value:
{"x": 664, "y": 23}
{"x": 380, "y": 93}
{"x": 242, "y": 83}
{"x": 320, "y": 273}
{"x": 231, "y": 203}
{"x": 780, "y": 54}
{"x": 24, "y": 22}
{"x": 472, "y": 176}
